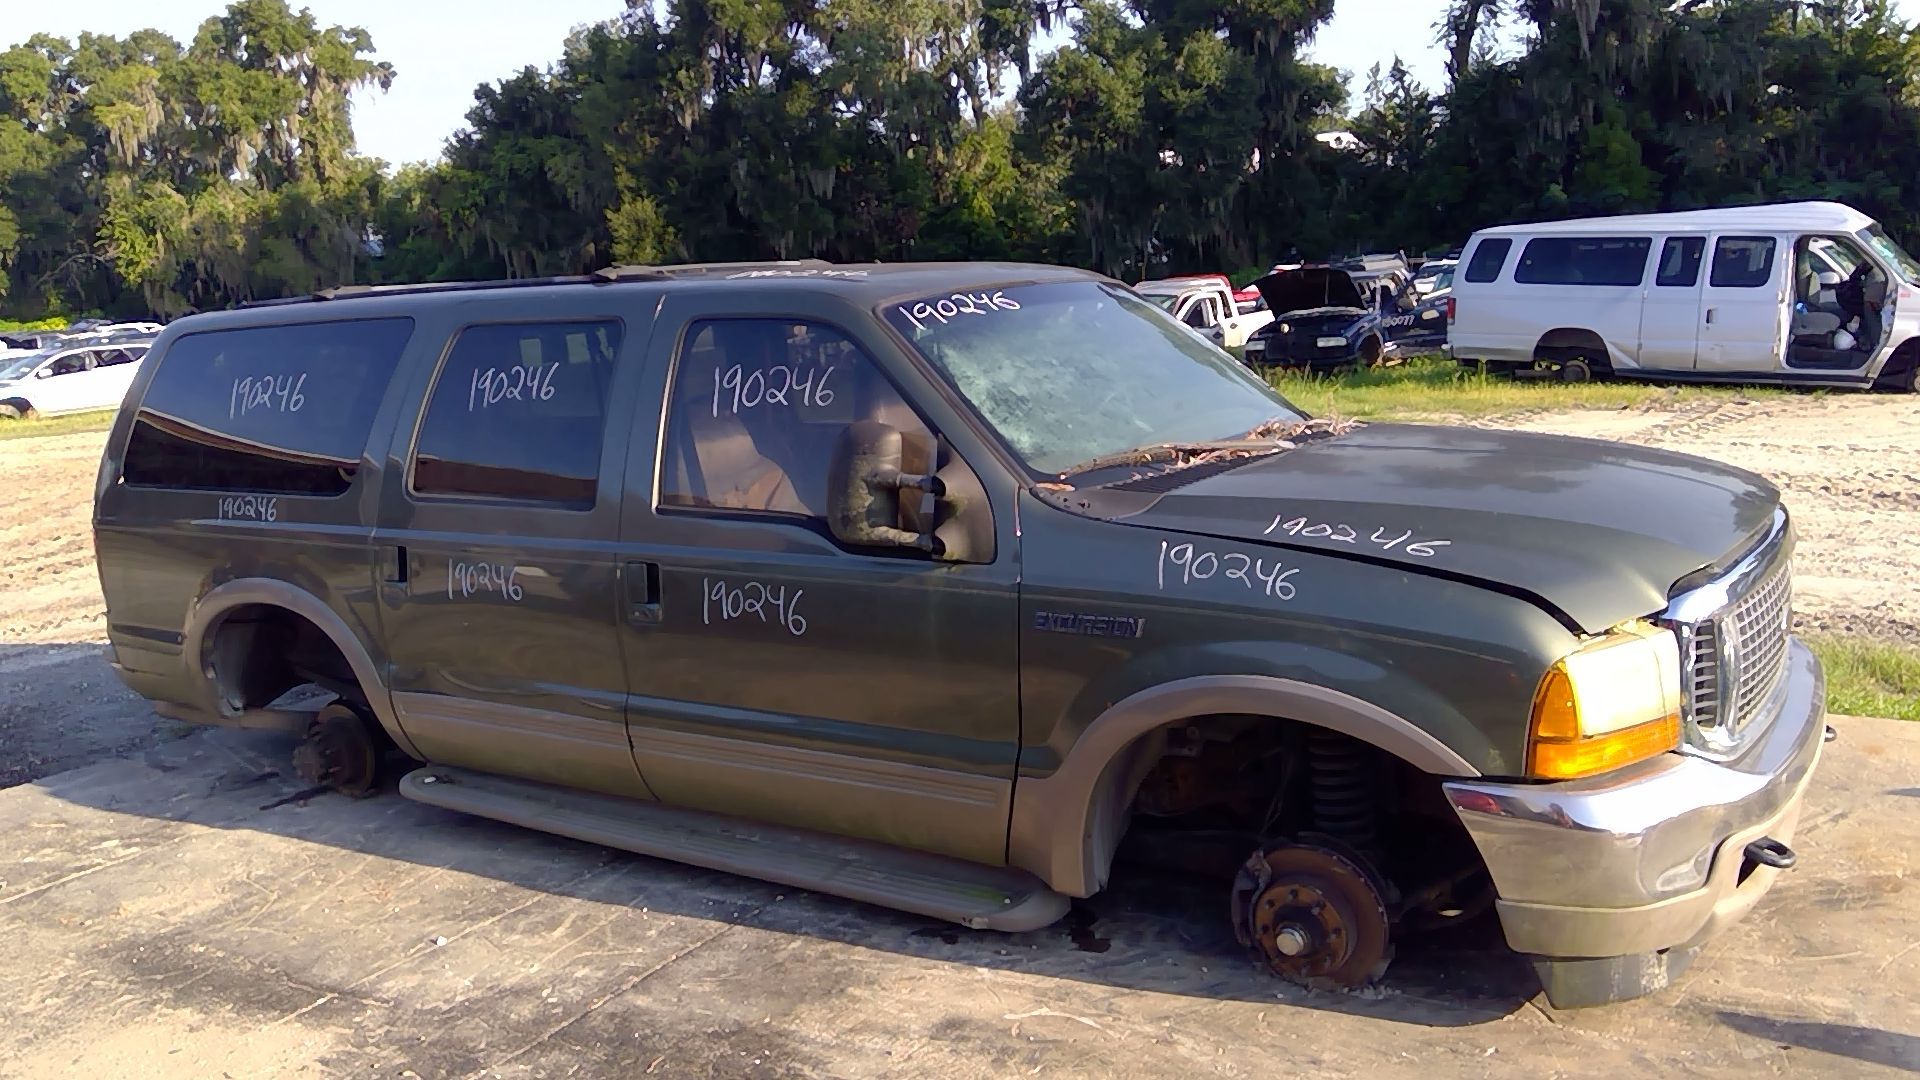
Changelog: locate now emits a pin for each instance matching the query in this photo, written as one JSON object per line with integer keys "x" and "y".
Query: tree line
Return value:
{"x": 141, "y": 174}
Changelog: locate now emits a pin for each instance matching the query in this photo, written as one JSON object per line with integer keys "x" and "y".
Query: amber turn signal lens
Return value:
{"x": 1611, "y": 702}
{"x": 1586, "y": 757}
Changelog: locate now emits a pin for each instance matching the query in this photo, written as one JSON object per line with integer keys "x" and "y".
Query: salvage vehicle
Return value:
{"x": 1806, "y": 294}
{"x": 1322, "y": 321}
{"x": 1207, "y": 303}
{"x": 69, "y": 378}
{"x": 1424, "y": 327}
{"x": 960, "y": 588}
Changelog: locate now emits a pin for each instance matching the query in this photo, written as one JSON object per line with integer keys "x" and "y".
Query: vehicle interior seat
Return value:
{"x": 728, "y": 466}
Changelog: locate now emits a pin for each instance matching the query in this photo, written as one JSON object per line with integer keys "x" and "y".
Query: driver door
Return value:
{"x": 775, "y": 673}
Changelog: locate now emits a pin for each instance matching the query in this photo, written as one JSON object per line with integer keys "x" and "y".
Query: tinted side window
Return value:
{"x": 1487, "y": 260}
{"x": 281, "y": 409}
{"x": 1680, "y": 261}
{"x": 1580, "y": 260}
{"x": 1742, "y": 262}
{"x": 517, "y": 412}
{"x": 757, "y": 407}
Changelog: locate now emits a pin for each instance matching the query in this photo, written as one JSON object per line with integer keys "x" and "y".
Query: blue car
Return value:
{"x": 1321, "y": 322}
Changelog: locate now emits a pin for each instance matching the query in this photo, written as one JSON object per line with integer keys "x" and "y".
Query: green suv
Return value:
{"x": 939, "y": 586}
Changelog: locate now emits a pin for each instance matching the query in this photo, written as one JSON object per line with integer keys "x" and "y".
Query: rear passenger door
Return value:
{"x": 777, "y": 674}
{"x": 1744, "y": 305}
{"x": 1671, "y": 316}
{"x": 495, "y": 558}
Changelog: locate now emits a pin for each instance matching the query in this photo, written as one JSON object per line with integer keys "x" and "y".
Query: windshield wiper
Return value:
{"x": 1267, "y": 437}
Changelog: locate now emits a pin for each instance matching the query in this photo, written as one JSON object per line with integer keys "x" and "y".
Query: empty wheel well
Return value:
{"x": 1567, "y": 343}
{"x": 259, "y": 652}
{"x": 1898, "y": 372}
{"x": 1203, "y": 793}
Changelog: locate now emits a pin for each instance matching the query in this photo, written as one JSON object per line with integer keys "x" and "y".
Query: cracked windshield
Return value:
{"x": 1071, "y": 372}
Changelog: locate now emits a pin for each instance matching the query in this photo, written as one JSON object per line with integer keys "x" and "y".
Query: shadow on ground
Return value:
{"x": 1145, "y": 933}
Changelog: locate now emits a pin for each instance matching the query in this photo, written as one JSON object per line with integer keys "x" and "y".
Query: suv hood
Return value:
{"x": 1309, "y": 289}
{"x": 1597, "y": 531}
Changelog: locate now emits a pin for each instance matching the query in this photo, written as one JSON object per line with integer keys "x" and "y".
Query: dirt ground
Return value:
{"x": 172, "y": 912}
{"x": 1849, "y": 468}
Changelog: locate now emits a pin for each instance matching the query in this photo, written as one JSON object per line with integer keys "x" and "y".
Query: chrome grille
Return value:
{"x": 1733, "y": 637}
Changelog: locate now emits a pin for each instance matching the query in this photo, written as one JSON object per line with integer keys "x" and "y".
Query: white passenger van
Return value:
{"x": 1809, "y": 293}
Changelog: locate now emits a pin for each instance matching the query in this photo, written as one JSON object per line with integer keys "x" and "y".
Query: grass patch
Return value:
{"x": 99, "y": 420}
{"x": 1427, "y": 388}
{"x": 1868, "y": 678}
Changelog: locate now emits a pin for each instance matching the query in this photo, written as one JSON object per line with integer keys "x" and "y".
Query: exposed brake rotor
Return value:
{"x": 1315, "y": 916}
{"x": 340, "y": 752}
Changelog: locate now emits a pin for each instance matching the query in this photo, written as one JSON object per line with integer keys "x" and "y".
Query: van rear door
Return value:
{"x": 1670, "y": 317}
{"x": 1744, "y": 304}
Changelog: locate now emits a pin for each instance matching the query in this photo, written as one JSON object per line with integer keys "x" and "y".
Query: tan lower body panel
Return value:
{"x": 973, "y": 895}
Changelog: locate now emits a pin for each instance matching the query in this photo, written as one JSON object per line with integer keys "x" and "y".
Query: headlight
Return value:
{"x": 1330, "y": 342}
{"x": 1285, "y": 329}
{"x": 1609, "y": 703}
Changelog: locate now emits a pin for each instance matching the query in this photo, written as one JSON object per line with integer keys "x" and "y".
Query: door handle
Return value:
{"x": 1709, "y": 316}
{"x": 642, "y": 587}
{"x": 395, "y": 570}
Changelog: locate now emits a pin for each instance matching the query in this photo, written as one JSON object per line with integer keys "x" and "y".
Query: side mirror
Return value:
{"x": 43, "y": 373}
{"x": 865, "y": 486}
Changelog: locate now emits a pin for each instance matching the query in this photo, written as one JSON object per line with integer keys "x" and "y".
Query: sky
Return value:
{"x": 442, "y": 49}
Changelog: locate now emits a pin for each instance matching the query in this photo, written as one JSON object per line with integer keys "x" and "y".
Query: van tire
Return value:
{"x": 1901, "y": 375}
{"x": 1575, "y": 369}
{"x": 17, "y": 409}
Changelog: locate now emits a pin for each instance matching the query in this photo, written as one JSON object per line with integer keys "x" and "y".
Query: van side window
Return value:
{"x": 1742, "y": 262}
{"x": 1680, "y": 261}
{"x": 282, "y": 409}
{"x": 1583, "y": 260}
{"x": 756, "y": 408}
{"x": 517, "y": 412}
{"x": 1487, "y": 260}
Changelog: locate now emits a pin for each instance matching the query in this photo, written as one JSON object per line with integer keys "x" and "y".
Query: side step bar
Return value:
{"x": 975, "y": 896}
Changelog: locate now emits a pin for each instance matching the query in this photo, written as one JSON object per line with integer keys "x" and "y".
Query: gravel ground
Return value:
{"x": 1849, "y": 464}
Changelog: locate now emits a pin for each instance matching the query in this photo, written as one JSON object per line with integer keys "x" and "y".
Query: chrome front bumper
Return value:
{"x": 1652, "y": 857}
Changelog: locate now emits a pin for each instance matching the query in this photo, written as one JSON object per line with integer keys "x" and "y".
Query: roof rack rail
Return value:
{"x": 604, "y": 276}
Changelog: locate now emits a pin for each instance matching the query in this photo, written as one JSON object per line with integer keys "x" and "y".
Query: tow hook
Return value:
{"x": 1767, "y": 851}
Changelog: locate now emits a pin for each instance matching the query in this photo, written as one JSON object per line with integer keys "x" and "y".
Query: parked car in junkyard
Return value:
{"x": 1207, "y": 303}
{"x": 929, "y": 585}
{"x": 1423, "y": 328}
{"x": 1322, "y": 321}
{"x": 70, "y": 378}
{"x": 1428, "y": 277}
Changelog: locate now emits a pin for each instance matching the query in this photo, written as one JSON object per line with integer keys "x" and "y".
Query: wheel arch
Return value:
{"x": 1563, "y": 342}
{"x": 1897, "y": 371}
{"x": 1066, "y": 826}
{"x": 221, "y": 603}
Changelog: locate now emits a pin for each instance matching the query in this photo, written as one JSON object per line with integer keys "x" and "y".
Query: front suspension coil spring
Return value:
{"x": 1345, "y": 795}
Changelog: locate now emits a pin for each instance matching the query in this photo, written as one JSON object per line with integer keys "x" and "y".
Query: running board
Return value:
{"x": 973, "y": 895}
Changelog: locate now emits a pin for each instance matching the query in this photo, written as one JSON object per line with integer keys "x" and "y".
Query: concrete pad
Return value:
{"x": 175, "y": 915}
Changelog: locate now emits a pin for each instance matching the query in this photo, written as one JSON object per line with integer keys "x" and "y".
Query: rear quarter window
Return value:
{"x": 1488, "y": 257}
{"x": 280, "y": 409}
{"x": 1584, "y": 260}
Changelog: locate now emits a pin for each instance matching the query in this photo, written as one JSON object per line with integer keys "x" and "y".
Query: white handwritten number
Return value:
{"x": 752, "y": 598}
{"x": 270, "y": 393}
{"x": 496, "y": 386}
{"x": 1422, "y": 549}
{"x": 249, "y": 508}
{"x": 1199, "y": 565}
{"x": 465, "y": 579}
{"x": 944, "y": 309}
{"x": 736, "y": 390}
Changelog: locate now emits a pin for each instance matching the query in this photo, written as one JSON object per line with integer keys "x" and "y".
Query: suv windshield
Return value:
{"x": 1073, "y": 371}
{"x": 1876, "y": 238}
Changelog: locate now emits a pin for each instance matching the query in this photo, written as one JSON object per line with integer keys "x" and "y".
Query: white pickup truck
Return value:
{"x": 1205, "y": 302}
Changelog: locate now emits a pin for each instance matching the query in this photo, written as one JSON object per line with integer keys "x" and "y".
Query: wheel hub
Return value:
{"x": 1314, "y": 916}
{"x": 339, "y": 752}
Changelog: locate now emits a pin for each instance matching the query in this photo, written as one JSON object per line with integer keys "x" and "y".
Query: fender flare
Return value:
{"x": 1065, "y": 826}
{"x": 210, "y": 612}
